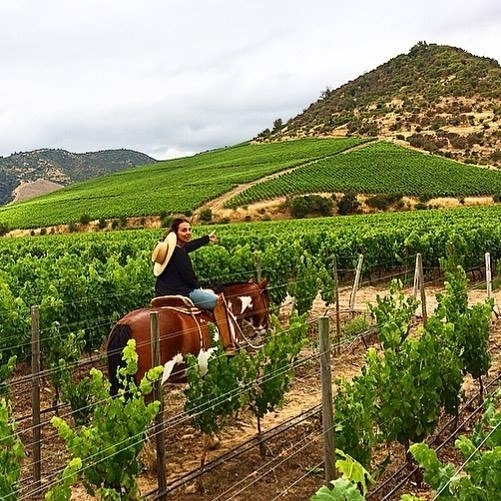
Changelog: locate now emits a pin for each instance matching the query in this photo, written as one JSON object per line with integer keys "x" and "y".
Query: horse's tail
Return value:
{"x": 117, "y": 340}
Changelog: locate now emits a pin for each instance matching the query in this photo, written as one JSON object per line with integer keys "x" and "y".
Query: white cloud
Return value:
{"x": 174, "y": 77}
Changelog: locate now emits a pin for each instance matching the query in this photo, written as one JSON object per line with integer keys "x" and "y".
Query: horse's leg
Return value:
{"x": 118, "y": 338}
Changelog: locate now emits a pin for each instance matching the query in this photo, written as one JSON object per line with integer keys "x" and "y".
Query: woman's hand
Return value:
{"x": 213, "y": 238}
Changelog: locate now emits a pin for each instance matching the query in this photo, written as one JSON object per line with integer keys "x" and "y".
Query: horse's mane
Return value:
{"x": 264, "y": 292}
{"x": 220, "y": 287}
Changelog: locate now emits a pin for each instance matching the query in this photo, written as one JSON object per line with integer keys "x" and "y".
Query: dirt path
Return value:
{"x": 217, "y": 204}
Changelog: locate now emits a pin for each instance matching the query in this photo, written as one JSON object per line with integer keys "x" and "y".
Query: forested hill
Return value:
{"x": 437, "y": 98}
{"x": 61, "y": 167}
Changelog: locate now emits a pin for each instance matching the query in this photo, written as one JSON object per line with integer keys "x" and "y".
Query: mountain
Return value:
{"x": 436, "y": 98}
{"x": 28, "y": 174}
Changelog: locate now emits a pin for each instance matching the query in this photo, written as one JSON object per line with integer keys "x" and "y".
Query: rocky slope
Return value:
{"x": 436, "y": 98}
{"x": 27, "y": 174}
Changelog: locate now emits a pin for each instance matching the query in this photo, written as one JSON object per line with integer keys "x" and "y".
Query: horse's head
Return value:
{"x": 249, "y": 302}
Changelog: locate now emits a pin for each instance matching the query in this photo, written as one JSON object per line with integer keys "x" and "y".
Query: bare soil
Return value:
{"x": 26, "y": 190}
{"x": 292, "y": 466}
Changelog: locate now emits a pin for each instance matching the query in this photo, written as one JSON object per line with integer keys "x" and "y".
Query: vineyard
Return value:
{"x": 379, "y": 167}
{"x": 101, "y": 276}
{"x": 178, "y": 185}
{"x": 274, "y": 170}
{"x": 83, "y": 283}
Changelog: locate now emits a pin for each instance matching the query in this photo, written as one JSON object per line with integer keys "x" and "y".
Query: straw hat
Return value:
{"x": 163, "y": 252}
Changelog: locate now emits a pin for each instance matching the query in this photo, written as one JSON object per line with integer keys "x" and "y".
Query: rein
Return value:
{"x": 246, "y": 339}
{"x": 264, "y": 297}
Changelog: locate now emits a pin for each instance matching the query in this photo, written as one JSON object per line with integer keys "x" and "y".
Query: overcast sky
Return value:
{"x": 175, "y": 77}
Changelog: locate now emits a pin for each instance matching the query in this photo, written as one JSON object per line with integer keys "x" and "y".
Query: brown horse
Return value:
{"x": 183, "y": 329}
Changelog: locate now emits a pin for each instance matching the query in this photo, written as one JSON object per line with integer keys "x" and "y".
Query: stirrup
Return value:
{"x": 230, "y": 351}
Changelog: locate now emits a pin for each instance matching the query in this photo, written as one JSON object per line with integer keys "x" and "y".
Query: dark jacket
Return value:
{"x": 179, "y": 276}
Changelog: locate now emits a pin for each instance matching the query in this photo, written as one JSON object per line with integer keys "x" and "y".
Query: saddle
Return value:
{"x": 219, "y": 316}
{"x": 182, "y": 303}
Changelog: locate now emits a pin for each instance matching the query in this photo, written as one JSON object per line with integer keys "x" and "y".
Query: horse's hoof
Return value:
{"x": 213, "y": 442}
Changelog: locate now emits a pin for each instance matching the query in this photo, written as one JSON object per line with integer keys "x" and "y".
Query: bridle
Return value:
{"x": 264, "y": 298}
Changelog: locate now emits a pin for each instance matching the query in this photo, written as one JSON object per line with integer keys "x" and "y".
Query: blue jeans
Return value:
{"x": 204, "y": 298}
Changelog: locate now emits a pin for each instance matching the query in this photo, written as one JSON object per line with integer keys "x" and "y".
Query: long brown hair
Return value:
{"x": 174, "y": 226}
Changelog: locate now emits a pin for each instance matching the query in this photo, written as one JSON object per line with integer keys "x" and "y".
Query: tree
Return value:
{"x": 277, "y": 125}
{"x": 348, "y": 204}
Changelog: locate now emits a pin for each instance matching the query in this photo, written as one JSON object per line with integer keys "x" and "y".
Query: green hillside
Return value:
{"x": 318, "y": 165}
{"x": 378, "y": 167}
{"x": 179, "y": 185}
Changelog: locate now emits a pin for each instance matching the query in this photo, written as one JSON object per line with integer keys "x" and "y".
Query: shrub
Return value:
{"x": 285, "y": 205}
{"x": 299, "y": 207}
{"x": 400, "y": 205}
{"x": 166, "y": 221}
{"x": 4, "y": 229}
{"x": 496, "y": 155}
{"x": 425, "y": 197}
{"x": 348, "y": 204}
{"x": 383, "y": 202}
{"x": 85, "y": 219}
{"x": 206, "y": 215}
{"x": 311, "y": 204}
{"x": 321, "y": 205}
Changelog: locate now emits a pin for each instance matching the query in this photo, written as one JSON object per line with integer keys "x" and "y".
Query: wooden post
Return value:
{"x": 415, "y": 286}
{"x": 488, "y": 274}
{"x": 356, "y": 282}
{"x": 419, "y": 266}
{"x": 36, "y": 443}
{"x": 327, "y": 412}
{"x": 338, "y": 320}
{"x": 159, "y": 419}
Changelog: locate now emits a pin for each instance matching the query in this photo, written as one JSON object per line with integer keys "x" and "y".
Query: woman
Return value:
{"x": 173, "y": 267}
{"x": 175, "y": 275}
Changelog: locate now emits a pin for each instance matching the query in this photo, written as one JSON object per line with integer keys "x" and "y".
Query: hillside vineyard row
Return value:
{"x": 89, "y": 280}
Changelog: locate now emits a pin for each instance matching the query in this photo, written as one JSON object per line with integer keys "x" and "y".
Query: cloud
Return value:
{"x": 172, "y": 77}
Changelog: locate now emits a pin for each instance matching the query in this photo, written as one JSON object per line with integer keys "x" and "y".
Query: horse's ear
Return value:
{"x": 263, "y": 283}
{"x": 251, "y": 280}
